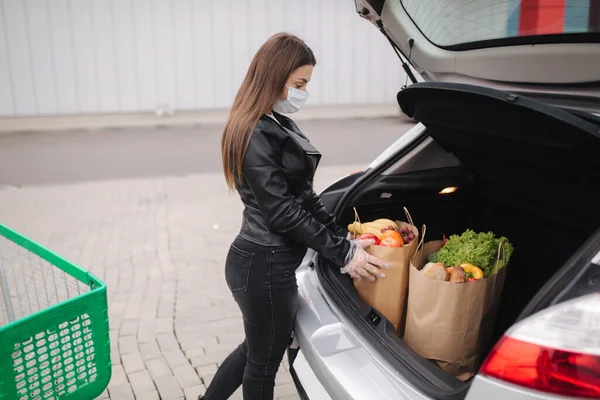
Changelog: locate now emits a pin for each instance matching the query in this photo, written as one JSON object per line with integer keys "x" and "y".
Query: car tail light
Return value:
{"x": 555, "y": 351}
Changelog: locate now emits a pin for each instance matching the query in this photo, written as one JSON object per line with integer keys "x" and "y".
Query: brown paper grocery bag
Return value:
{"x": 388, "y": 295}
{"x": 450, "y": 323}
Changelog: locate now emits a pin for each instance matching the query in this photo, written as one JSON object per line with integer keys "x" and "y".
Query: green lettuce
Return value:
{"x": 479, "y": 249}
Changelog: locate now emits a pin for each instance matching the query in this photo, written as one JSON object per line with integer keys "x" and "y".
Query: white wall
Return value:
{"x": 103, "y": 56}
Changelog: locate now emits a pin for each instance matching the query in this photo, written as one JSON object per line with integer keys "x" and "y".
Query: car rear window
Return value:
{"x": 452, "y": 23}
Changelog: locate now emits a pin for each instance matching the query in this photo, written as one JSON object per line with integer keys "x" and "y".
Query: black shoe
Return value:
{"x": 200, "y": 397}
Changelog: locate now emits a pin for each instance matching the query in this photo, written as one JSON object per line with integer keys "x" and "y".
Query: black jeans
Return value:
{"x": 263, "y": 282}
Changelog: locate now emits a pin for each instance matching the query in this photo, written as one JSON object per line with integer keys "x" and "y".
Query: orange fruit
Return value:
{"x": 389, "y": 242}
{"x": 393, "y": 235}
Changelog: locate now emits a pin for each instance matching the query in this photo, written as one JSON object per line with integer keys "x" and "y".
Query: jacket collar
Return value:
{"x": 290, "y": 127}
{"x": 286, "y": 122}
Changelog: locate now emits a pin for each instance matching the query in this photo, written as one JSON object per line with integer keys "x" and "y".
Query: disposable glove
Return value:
{"x": 362, "y": 264}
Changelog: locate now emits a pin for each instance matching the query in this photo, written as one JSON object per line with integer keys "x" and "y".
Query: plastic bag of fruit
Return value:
{"x": 395, "y": 242}
{"x": 454, "y": 292}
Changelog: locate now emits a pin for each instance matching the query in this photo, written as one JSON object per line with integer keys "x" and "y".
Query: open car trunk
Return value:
{"x": 523, "y": 170}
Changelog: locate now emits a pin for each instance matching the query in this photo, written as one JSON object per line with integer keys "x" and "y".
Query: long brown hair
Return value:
{"x": 269, "y": 70}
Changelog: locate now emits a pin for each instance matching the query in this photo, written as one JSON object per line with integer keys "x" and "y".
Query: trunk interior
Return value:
{"x": 529, "y": 269}
{"x": 531, "y": 266}
{"x": 523, "y": 170}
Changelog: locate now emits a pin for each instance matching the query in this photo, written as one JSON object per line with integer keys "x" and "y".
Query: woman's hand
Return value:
{"x": 363, "y": 264}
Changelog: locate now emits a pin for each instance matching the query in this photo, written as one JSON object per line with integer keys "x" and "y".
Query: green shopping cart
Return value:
{"x": 54, "y": 335}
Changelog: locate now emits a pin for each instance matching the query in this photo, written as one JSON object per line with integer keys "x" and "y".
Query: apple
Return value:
{"x": 368, "y": 236}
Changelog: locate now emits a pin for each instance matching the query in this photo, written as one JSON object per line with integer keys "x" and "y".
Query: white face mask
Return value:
{"x": 295, "y": 101}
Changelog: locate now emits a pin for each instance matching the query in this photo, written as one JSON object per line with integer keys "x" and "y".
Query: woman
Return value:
{"x": 272, "y": 164}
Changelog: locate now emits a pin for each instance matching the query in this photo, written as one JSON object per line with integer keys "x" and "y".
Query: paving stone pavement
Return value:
{"x": 160, "y": 245}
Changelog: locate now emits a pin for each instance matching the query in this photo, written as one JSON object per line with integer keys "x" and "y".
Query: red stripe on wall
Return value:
{"x": 528, "y": 19}
{"x": 552, "y": 17}
{"x": 541, "y": 17}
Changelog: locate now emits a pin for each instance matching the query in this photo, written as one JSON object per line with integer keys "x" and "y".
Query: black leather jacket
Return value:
{"x": 281, "y": 207}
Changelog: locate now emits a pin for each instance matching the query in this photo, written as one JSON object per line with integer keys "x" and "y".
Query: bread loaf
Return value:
{"x": 436, "y": 271}
{"x": 457, "y": 275}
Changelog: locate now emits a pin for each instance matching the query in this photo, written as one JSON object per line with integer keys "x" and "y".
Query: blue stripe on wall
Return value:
{"x": 514, "y": 12}
{"x": 576, "y": 16}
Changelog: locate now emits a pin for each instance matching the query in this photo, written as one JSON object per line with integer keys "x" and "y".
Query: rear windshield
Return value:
{"x": 449, "y": 23}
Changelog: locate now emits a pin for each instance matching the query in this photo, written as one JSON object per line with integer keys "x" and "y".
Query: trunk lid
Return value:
{"x": 549, "y": 50}
{"x": 510, "y": 140}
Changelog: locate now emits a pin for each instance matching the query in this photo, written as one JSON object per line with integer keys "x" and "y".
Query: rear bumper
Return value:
{"x": 492, "y": 389}
{"x": 341, "y": 364}
{"x": 305, "y": 378}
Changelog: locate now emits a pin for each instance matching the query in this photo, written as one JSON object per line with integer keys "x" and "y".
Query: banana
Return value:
{"x": 374, "y": 231}
{"x": 385, "y": 223}
{"x": 367, "y": 227}
{"x": 356, "y": 228}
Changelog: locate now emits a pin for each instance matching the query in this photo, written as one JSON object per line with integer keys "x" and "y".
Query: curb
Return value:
{"x": 184, "y": 118}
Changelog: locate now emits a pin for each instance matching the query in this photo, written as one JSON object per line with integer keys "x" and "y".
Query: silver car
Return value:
{"x": 506, "y": 119}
